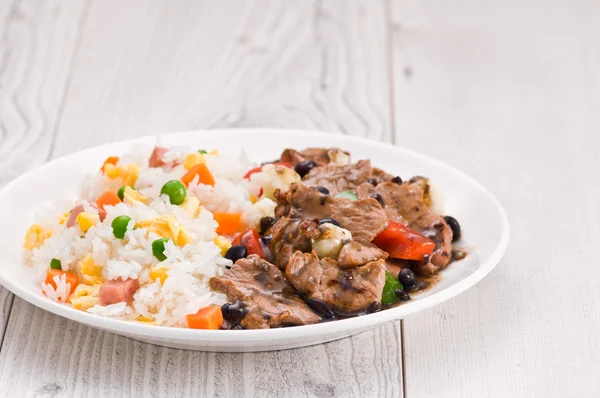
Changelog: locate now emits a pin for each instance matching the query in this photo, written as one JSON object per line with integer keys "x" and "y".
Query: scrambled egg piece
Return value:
{"x": 63, "y": 218}
{"x": 35, "y": 236}
{"x": 133, "y": 197}
{"x": 158, "y": 273}
{"x": 87, "y": 220}
{"x": 167, "y": 226}
{"x": 191, "y": 205}
{"x": 192, "y": 160}
{"x": 214, "y": 152}
{"x": 90, "y": 272}
{"x": 146, "y": 320}
{"x": 85, "y": 296}
{"x": 223, "y": 243}
{"x": 128, "y": 173}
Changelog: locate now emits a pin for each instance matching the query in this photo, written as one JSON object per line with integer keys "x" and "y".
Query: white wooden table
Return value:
{"x": 508, "y": 91}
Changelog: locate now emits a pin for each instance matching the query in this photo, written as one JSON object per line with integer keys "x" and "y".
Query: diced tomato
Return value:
{"x": 399, "y": 241}
{"x": 251, "y": 240}
{"x": 252, "y": 171}
{"x": 259, "y": 168}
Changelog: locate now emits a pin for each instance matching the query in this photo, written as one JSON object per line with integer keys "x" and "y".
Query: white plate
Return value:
{"x": 482, "y": 218}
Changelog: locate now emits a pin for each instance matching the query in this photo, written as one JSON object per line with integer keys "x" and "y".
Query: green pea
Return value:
{"x": 121, "y": 192}
{"x": 202, "y": 152}
{"x": 388, "y": 297}
{"x": 158, "y": 248}
{"x": 347, "y": 195}
{"x": 175, "y": 190}
{"x": 119, "y": 226}
{"x": 55, "y": 264}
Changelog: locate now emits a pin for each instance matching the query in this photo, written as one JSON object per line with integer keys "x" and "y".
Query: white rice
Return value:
{"x": 189, "y": 268}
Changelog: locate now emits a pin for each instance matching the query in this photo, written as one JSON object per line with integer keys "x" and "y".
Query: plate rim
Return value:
{"x": 249, "y": 336}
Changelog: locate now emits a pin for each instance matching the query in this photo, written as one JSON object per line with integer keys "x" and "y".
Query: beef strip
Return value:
{"x": 406, "y": 204}
{"x": 289, "y": 235}
{"x": 339, "y": 178}
{"x": 395, "y": 265}
{"x": 364, "y": 218}
{"x": 355, "y": 253}
{"x": 422, "y": 183}
{"x": 347, "y": 291}
{"x": 270, "y": 299}
{"x": 321, "y": 156}
{"x": 380, "y": 175}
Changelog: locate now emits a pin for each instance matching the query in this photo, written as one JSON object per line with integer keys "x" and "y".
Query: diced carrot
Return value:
{"x": 108, "y": 198}
{"x": 209, "y": 317}
{"x": 229, "y": 223}
{"x": 71, "y": 278}
{"x": 200, "y": 170}
{"x": 110, "y": 160}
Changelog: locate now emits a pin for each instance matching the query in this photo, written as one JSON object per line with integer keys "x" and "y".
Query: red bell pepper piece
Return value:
{"x": 259, "y": 168}
{"x": 399, "y": 241}
{"x": 251, "y": 240}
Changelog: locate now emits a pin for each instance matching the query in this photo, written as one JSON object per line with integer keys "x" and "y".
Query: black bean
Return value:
{"x": 266, "y": 223}
{"x": 372, "y": 181}
{"x": 233, "y": 313}
{"x": 323, "y": 190}
{"x": 455, "y": 226}
{"x": 402, "y": 295}
{"x": 236, "y": 252}
{"x": 407, "y": 278}
{"x": 266, "y": 239}
{"x": 375, "y": 306}
{"x": 397, "y": 180}
{"x": 329, "y": 221}
{"x": 304, "y": 167}
{"x": 321, "y": 308}
{"x": 378, "y": 198}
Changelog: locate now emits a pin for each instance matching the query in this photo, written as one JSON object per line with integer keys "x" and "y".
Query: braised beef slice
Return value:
{"x": 406, "y": 204}
{"x": 321, "y": 156}
{"x": 270, "y": 299}
{"x": 355, "y": 253}
{"x": 289, "y": 235}
{"x": 395, "y": 265}
{"x": 380, "y": 175}
{"x": 422, "y": 183}
{"x": 346, "y": 291}
{"x": 339, "y": 178}
{"x": 363, "y": 218}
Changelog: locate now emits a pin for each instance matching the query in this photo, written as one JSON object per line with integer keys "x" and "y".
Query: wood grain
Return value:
{"x": 53, "y": 356}
{"x": 508, "y": 92}
{"x": 37, "y": 47}
{"x": 149, "y": 67}
{"x": 187, "y": 64}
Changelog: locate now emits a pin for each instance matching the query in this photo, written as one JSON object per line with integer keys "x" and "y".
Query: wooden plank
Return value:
{"x": 508, "y": 92}
{"x": 36, "y": 46}
{"x": 50, "y": 355}
{"x": 188, "y": 64}
{"x": 155, "y": 67}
